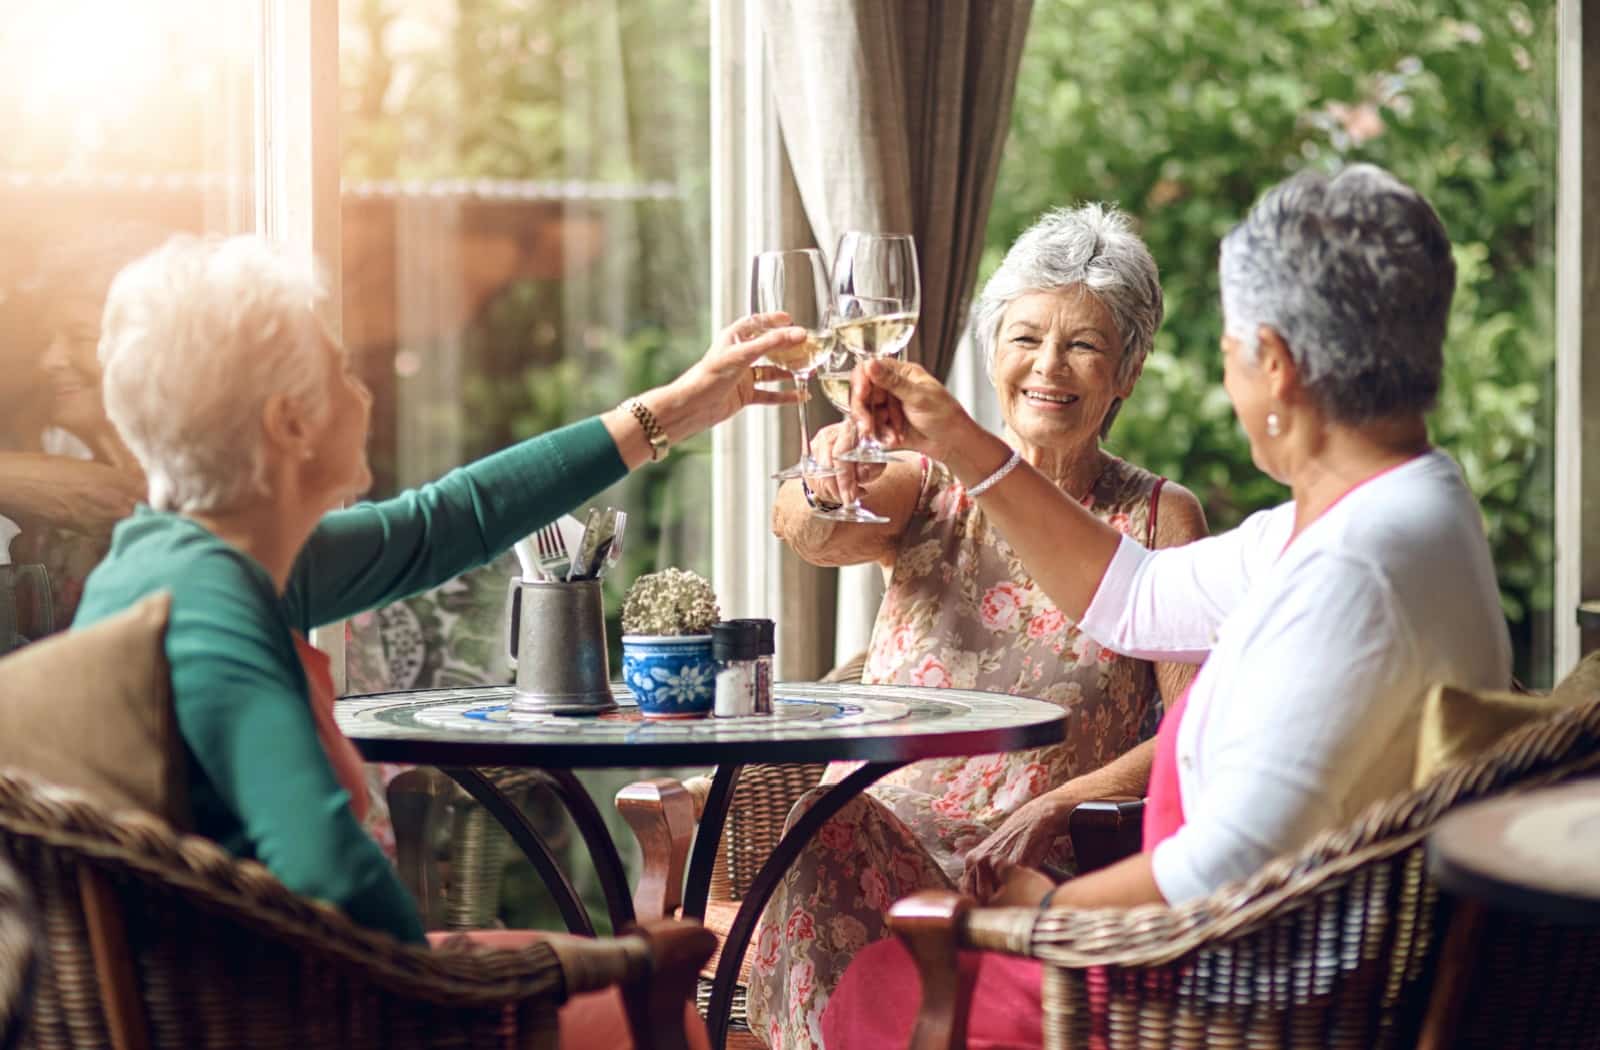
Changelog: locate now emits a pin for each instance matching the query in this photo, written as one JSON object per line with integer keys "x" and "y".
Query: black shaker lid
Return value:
{"x": 767, "y": 632}
{"x": 735, "y": 640}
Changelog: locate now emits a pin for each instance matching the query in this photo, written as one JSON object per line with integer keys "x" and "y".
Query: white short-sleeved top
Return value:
{"x": 1317, "y": 657}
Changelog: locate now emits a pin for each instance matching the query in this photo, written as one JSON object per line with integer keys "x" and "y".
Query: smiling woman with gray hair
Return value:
{"x": 1322, "y": 623}
{"x": 1065, "y": 325}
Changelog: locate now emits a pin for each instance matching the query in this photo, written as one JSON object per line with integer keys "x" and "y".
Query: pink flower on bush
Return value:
{"x": 1121, "y": 522}
{"x": 1001, "y": 605}
{"x": 1044, "y": 624}
{"x": 875, "y": 889}
{"x": 931, "y": 674}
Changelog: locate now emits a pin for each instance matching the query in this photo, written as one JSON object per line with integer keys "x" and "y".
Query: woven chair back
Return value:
{"x": 1332, "y": 947}
{"x": 216, "y": 952}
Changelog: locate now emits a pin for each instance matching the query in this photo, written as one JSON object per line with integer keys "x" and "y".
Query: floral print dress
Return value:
{"x": 960, "y": 612}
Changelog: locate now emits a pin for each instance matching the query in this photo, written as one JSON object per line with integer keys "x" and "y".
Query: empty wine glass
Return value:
{"x": 877, "y": 295}
{"x": 834, "y": 379}
{"x": 796, "y": 282}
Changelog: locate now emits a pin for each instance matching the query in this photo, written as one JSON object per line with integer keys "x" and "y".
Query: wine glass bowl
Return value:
{"x": 877, "y": 295}
{"x": 796, "y": 283}
{"x": 833, "y": 377}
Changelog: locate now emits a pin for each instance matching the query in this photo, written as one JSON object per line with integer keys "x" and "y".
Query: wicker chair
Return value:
{"x": 159, "y": 940}
{"x": 1337, "y": 945}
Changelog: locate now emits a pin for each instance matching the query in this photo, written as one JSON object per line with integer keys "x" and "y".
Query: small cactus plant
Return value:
{"x": 669, "y": 602}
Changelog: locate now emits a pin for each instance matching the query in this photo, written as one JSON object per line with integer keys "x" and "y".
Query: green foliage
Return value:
{"x": 1183, "y": 112}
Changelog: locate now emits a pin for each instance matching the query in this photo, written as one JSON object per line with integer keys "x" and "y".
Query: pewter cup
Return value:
{"x": 556, "y": 639}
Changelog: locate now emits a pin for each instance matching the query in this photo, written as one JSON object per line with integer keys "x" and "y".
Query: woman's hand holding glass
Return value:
{"x": 912, "y": 409}
{"x": 840, "y": 496}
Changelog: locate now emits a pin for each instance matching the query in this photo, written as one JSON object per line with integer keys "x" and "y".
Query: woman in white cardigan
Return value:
{"x": 1322, "y": 622}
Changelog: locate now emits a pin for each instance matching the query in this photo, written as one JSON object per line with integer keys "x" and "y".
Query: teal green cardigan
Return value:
{"x": 260, "y": 783}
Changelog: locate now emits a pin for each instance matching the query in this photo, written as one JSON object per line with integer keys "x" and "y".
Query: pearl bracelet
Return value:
{"x": 994, "y": 479}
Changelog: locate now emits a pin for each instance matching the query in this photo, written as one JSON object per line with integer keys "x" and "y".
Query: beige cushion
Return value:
{"x": 1458, "y": 724}
{"x": 92, "y": 710}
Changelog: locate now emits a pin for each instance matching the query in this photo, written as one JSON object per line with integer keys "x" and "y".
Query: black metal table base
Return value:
{"x": 766, "y": 881}
{"x": 597, "y": 839}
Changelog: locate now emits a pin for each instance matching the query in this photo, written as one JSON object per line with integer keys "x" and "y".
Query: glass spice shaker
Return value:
{"x": 766, "y": 648}
{"x": 735, "y": 646}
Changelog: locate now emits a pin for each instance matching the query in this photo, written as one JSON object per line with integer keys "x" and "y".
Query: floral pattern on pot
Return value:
{"x": 672, "y": 676}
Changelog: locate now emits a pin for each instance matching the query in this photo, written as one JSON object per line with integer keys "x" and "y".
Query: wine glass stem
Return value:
{"x": 800, "y": 380}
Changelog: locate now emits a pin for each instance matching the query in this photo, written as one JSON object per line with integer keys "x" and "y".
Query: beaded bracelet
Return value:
{"x": 994, "y": 479}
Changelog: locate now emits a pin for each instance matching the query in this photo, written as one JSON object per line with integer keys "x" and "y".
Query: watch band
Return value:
{"x": 652, "y": 429}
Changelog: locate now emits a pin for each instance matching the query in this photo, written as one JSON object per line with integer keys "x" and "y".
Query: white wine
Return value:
{"x": 878, "y": 336}
{"x": 836, "y": 388}
{"x": 802, "y": 357}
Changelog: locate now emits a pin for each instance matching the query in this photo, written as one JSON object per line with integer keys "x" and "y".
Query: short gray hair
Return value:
{"x": 197, "y": 336}
{"x": 1094, "y": 247}
{"x": 1355, "y": 273}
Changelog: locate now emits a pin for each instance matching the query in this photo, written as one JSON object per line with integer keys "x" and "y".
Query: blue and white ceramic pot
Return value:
{"x": 672, "y": 676}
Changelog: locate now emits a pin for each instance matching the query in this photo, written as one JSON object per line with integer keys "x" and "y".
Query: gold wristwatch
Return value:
{"x": 652, "y": 430}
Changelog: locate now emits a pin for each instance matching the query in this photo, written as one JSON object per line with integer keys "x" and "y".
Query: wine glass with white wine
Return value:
{"x": 834, "y": 379}
{"x": 877, "y": 295}
{"x": 796, "y": 282}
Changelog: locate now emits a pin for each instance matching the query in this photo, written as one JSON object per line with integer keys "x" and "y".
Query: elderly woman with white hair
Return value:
{"x": 250, "y": 425}
{"x": 1322, "y": 623}
{"x": 1065, "y": 324}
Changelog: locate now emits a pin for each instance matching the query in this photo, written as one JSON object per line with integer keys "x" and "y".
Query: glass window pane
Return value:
{"x": 1182, "y": 113}
{"x": 122, "y": 124}
{"x": 525, "y": 242}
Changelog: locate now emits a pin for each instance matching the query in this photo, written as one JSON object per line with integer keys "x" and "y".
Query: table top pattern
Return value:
{"x": 811, "y": 722}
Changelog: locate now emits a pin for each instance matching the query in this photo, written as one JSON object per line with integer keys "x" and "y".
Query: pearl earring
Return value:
{"x": 1274, "y": 424}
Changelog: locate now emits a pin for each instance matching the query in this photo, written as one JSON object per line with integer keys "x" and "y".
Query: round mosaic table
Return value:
{"x": 882, "y": 727}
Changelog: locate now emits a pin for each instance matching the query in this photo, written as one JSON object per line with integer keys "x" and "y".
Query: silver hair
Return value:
{"x": 1092, "y": 247}
{"x": 1355, "y": 273}
{"x": 197, "y": 336}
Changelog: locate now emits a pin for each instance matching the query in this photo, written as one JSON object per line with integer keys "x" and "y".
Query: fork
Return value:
{"x": 552, "y": 549}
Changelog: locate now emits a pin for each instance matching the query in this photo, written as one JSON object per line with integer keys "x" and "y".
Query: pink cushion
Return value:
{"x": 877, "y": 1000}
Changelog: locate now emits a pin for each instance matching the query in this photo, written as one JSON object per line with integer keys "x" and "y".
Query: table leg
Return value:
{"x": 766, "y": 881}
{"x": 602, "y": 850}
{"x": 707, "y": 840}
{"x": 529, "y": 841}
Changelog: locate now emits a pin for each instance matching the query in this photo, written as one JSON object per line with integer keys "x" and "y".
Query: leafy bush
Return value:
{"x": 1183, "y": 112}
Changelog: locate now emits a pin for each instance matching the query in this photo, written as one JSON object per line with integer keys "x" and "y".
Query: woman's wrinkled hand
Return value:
{"x": 724, "y": 380}
{"x": 906, "y": 407}
{"x": 827, "y": 445}
{"x": 1026, "y": 838}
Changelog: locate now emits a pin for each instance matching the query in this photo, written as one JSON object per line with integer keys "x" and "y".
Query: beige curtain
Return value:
{"x": 893, "y": 115}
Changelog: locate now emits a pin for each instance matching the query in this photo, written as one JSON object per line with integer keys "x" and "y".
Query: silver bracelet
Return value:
{"x": 994, "y": 479}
